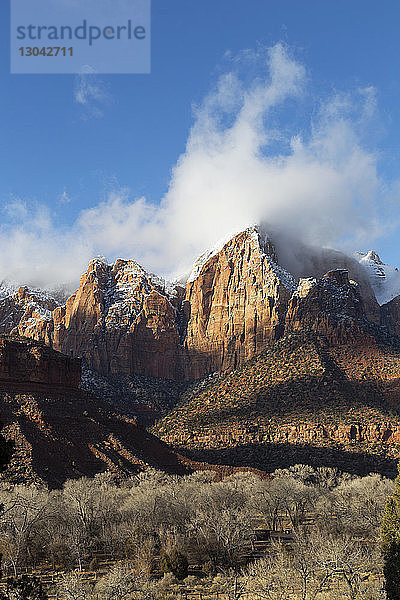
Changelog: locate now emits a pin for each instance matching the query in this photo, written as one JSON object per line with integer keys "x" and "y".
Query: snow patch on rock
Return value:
{"x": 385, "y": 279}
{"x": 261, "y": 242}
{"x": 205, "y": 257}
{"x": 7, "y": 289}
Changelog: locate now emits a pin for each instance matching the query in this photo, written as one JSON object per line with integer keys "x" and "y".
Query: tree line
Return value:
{"x": 165, "y": 535}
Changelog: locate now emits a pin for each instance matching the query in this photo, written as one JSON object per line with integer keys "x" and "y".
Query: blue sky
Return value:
{"x": 85, "y": 162}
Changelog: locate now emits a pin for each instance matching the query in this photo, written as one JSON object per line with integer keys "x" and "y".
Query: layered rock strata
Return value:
{"x": 239, "y": 297}
{"x": 237, "y": 304}
{"x": 25, "y": 361}
{"x": 121, "y": 322}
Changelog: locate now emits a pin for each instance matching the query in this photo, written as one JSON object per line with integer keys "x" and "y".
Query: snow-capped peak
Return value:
{"x": 261, "y": 240}
{"x": 203, "y": 258}
{"x": 9, "y": 289}
{"x": 385, "y": 279}
{"x": 371, "y": 255}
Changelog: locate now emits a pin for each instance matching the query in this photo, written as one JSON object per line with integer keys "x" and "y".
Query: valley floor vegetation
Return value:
{"x": 302, "y": 533}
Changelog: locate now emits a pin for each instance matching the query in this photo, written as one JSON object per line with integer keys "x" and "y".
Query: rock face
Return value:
{"x": 120, "y": 321}
{"x": 236, "y": 305}
{"x": 391, "y": 316}
{"x": 331, "y": 306}
{"x": 239, "y": 297}
{"x": 28, "y": 313}
{"x": 25, "y": 361}
{"x": 308, "y": 261}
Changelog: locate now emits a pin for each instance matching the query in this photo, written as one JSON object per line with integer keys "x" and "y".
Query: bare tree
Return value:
{"x": 72, "y": 587}
{"x": 119, "y": 583}
{"x": 25, "y": 508}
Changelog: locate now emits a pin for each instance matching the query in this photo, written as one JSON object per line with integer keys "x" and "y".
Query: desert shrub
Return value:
{"x": 176, "y": 562}
{"x": 23, "y": 588}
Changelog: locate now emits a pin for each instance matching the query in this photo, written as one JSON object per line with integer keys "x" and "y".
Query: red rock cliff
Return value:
{"x": 28, "y": 313}
{"x": 120, "y": 322}
{"x": 236, "y": 304}
{"x": 331, "y": 306}
{"x": 123, "y": 320}
{"x": 25, "y": 361}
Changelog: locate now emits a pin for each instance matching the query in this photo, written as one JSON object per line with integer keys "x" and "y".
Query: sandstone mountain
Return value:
{"x": 27, "y": 312}
{"x": 300, "y": 355}
{"x": 121, "y": 320}
{"x": 331, "y": 306}
{"x": 326, "y": 393}
{"x": 235, "y": 305}
{"x": 124, "y": 321}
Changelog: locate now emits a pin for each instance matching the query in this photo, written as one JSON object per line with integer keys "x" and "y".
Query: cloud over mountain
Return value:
{"x": 247, "y": 160}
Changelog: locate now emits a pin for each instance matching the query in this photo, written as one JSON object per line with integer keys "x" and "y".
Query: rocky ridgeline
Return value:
{"x": 380, "y": 438}
{"x": 25, "y": 362}
{"x": 299, "y": 361}
{"x": 318, "y": 403}
{"x": 125, "y": 321}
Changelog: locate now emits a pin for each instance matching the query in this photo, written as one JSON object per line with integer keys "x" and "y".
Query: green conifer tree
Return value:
{"x": 390, "y": 533}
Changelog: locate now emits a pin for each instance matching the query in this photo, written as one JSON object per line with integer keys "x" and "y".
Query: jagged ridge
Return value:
{"x": 125, "y": 322}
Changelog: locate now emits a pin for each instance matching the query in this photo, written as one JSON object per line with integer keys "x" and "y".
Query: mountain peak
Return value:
{"x": 367, "y": 257}
{"x": 385, "y": 279}
{"x": 374, "y": 256}
{"x": 254, "y": 234}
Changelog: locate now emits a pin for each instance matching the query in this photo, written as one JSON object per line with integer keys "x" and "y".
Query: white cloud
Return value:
{"x": 64, "y": 198}
{"x": 16, "y": 209}
{"x": 91, "y": 94}
{"x": 240, "y": 167}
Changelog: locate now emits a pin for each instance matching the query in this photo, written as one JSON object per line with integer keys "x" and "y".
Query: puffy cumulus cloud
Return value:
{"x": 323, "y": 188}
{"x": 245, "y": 162}
{"x": 35, "y": 251}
